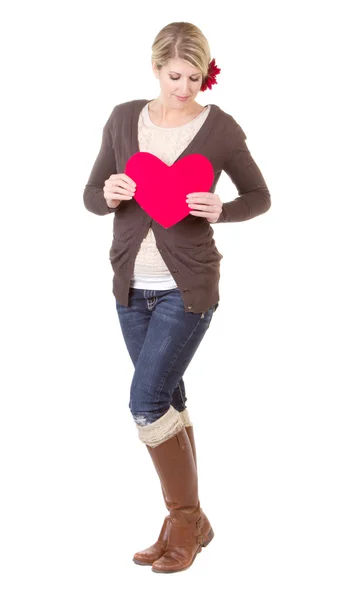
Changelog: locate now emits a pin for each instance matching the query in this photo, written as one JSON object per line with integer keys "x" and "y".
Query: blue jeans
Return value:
{"x": 161, "y": 339}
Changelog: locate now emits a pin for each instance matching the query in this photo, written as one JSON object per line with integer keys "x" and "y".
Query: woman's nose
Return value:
{"x": 185, "y": 88}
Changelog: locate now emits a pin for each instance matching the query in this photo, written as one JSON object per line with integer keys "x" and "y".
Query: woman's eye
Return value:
{"x": 176, "y": 79}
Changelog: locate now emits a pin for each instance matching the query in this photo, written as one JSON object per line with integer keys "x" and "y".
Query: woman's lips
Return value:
{"x": 183, "y": 98}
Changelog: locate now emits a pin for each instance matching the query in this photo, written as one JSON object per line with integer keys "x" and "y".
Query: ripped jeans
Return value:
{"x": 161, "y": 339}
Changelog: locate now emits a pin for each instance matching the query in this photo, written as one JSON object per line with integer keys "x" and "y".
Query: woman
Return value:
{"x": 166, "y": 280}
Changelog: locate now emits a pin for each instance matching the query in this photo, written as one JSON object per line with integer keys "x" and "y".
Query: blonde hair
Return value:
{"x": 182, "y": 40}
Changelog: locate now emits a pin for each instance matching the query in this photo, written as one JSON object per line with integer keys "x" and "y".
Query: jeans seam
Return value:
{"x": 181, "y": 395}
{"x": 176, "y": 357}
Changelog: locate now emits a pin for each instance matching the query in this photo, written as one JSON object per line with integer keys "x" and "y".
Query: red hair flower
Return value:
{"x": 210, "y": 79}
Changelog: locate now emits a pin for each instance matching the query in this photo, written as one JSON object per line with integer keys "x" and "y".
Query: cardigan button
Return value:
{"x": 189, "y": 307}
{"x": 175, "y": 270}
{"x": 185, "y": 291}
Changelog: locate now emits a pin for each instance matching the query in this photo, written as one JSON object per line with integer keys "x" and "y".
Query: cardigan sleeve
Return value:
{"x": 104, "y": 166}
{"x": 254, "y": 196}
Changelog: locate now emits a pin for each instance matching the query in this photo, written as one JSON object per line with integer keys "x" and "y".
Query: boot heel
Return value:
{"x": 208, "y": 538}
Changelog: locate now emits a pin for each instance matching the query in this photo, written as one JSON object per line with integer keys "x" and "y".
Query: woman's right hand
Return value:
{"x": 117, "y": 188}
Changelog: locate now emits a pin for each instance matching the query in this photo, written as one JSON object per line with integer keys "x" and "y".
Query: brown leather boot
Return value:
{"x": 175, "y": 465}
{"x": 149, "y": 555}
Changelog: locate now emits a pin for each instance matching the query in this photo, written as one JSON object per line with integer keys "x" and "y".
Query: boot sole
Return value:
{"x": 209, "y": 538}
{"x": 203, "y": 545}
{"x": 144, "y": 564}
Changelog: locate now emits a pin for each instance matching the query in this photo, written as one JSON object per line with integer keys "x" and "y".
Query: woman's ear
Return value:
{"x": 155, "y": 70}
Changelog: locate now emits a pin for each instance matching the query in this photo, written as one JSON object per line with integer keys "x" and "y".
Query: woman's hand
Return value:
{"x": 117, "y": 188}
{"x": 205, "y": 204}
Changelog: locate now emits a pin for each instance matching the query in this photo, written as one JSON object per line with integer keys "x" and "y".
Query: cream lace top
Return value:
{"x": 150, "y": 271}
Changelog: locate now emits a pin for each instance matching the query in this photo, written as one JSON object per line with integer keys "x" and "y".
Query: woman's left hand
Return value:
{"x": 205, "y": 204}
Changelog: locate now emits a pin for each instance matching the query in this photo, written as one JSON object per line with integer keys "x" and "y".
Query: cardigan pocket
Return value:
{"x": 118, "y": 255}
{"x": 209, "y": 249}
{"x": 198, "y": 258}
{"x": 192, "y": 246}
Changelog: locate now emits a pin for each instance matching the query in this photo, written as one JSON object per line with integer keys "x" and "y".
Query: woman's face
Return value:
{"x": 178, "y": 79}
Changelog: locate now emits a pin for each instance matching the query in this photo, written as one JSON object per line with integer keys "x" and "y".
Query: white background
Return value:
{"x": 272, "y": 389}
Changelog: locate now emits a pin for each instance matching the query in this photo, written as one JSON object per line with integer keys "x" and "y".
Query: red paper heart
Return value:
{"x": 161, "y": 189}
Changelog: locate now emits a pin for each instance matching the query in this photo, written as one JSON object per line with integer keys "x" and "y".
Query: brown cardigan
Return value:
{"x": 187, "y": 248}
